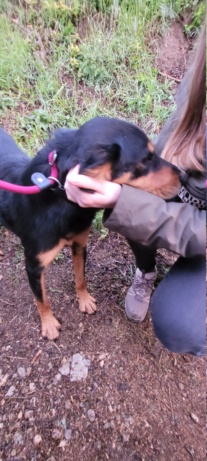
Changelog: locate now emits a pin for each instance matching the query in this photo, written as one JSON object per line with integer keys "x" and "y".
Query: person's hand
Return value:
{"x": 105, "y": 193}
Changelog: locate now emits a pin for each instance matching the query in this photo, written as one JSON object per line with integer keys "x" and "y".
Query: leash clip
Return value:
{"x": 40, "y": 180}
{"x": 60, "y": 186}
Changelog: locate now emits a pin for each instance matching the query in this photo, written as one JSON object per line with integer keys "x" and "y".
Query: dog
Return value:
{"x": 105, "y": 148}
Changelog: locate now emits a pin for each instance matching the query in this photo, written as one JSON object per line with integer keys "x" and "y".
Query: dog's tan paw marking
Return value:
{"x": 50, "y": 327}
{"x": 87, "y": 303}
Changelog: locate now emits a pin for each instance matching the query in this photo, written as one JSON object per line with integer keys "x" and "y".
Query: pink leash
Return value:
{"x": 40, "y": 181}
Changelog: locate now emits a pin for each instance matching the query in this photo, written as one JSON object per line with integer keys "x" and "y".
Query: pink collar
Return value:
{"x": 40, "y": 181}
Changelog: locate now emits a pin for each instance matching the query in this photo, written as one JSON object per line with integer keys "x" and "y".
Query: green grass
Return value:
{"x": 14, "y": 58}
{"x": 65, "y": 61}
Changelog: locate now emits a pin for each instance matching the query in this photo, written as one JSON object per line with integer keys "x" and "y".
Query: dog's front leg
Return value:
{"x": 50, "y": 325}
{"x": 86, "y": 302}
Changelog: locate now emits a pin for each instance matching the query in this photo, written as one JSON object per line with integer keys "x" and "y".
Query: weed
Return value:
{"x": 14, "y": 58}
{"x": 97, "y": 225}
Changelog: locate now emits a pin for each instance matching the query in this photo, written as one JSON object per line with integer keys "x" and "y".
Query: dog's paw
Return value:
{"x": 87, "y": 303}
{"x": 50, "y": 327}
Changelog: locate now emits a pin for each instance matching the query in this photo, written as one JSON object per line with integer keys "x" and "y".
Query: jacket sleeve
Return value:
{"x": 149, "y": 220}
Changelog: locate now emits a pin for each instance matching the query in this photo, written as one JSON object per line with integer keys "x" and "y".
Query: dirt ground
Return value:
{"x": 136, "y": 401}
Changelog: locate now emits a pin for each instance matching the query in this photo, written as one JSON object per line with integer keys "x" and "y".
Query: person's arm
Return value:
{"x": 149, "y": 220}
{"x": 141, "y": 216}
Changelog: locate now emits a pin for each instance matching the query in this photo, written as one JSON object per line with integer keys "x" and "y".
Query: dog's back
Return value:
{"x": 13, "y": 162}
{"x": 12, "y": 159}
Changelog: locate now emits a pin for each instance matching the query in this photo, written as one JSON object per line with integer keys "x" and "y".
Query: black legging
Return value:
{"x": 144, "y": 256}
{"x": 178, "y": 307}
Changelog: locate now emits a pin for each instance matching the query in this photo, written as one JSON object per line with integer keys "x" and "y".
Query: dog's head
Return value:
{"x": 118, "y": 151}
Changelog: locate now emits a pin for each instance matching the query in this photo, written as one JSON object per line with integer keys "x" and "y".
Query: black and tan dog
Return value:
{"x": 105, "y": 148}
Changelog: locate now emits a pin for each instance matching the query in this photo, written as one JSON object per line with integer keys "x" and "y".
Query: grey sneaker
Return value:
{"x": 138, "y": 296}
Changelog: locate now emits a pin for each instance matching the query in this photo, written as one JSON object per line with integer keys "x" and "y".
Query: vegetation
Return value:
{"x": 65, "y": 61}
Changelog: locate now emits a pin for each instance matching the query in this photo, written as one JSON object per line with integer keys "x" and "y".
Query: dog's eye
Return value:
{"x": 149, "y": 158}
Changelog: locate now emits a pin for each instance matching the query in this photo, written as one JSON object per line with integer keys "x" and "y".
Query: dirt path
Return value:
{"x": 138, "y": 402}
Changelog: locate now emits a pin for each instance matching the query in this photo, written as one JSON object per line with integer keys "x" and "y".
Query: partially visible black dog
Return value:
{"x": 105, "y": 148}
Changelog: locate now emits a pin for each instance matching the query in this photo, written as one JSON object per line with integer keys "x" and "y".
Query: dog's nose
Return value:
{"x": 183, "y": 175}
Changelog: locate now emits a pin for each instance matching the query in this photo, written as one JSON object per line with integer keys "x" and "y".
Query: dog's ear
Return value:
{"x": 114, "y": 152}
{"x": 98, "y": 156}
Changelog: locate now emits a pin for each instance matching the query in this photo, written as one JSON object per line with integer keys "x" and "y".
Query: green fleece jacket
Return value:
{"x": 149, "y": 220}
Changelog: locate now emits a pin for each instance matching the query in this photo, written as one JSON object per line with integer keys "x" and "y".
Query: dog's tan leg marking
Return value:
{"x": 48, "y": 256}
{"x": 50, "y": 325}
{"x": 86, "y": 302}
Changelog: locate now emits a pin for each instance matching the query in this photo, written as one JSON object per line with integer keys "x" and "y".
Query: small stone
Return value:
{"x": 51, "y": 458}
{"x": 28, "y": 414}
{"x": 98, "y": 445}
{"x": 62, "y": 444}
{"x": 32, "y": 387}
{"x": 21, "y": 372}
{"x": 79, "y": 367}
{"x": 20, "y": 415}
{"x": 181, "y": 386}
{"x": 107, "y": 425}
{"x": 67, "y": 404}
{"x": 11, "y": 391}
{"x": 29, "y": 371}
{"x": 3, "y": 379}
{"x": 194, "y": 418}
{"x": 91, "y": 415}
{"x": 65, "y": 369}
{"x": 57, "y": 433}
{"x": 103, "y": 356}
{"x": 37, "y": 439}
{"x": 123, "y": 386}
{"x": 18, "y": 438}
{"x": 68, "y": 434}
{"x": 129, "y": 420}
{"x": 62, "y": 423}
{"x": 57, "y": 378}
{"x": 125, "y": 437}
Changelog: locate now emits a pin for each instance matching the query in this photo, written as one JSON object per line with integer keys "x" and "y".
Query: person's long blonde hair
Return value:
{"x": 186, "y": 145}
